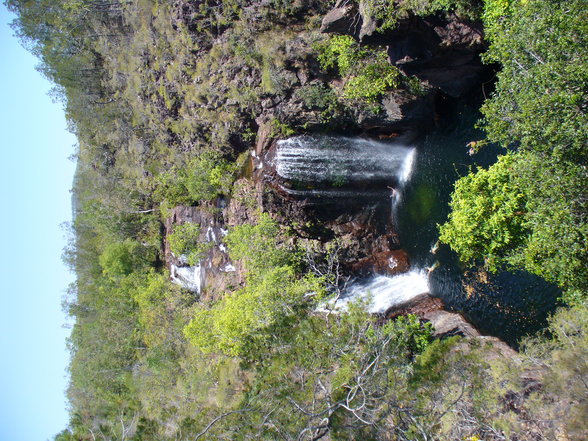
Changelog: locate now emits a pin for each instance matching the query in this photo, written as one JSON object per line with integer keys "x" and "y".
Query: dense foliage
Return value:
{"x": 532, "y": 205}
{"x": 165, "y": 98}
{"x": 368, "y": 72}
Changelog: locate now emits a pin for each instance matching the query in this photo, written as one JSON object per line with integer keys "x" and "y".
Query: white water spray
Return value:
{"x": 341, "y": 161}
{"x": 384, "y": 292}
{"x": 189, "y": 277}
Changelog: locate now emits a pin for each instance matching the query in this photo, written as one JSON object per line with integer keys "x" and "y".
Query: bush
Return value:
{"x": 341, "y": 52}
{"x": 487, "y": 215}
{"x": 201, "y": 179}
{"x": 122, "y": 258}
{"x": 368, "y": 70}
{"x": 372, "y": 82}
{"x": 318, "y": 96}
{"x": 184, "y": 242}
{"x": 209, "y": 175}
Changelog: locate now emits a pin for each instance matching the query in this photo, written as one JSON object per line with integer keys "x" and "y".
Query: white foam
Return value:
{"x": 189, "y": 277}
{"x": 385, "y": 291}
{"x": 229, "y": 267}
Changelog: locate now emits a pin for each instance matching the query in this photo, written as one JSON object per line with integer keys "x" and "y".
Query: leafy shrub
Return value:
{"x": 368, "y": 70}
{"x": 318, "y": 96}
{"x": 486, "y": 220}
{"x": 341, "y": 52}
{"x": 209, "y": 175}
{"x": 372, "y": 82}
{"x": 122, "y": 258}
{"x": 387, "y": 12}
{"x": 280, "y": 129}
{"x": 184, "y": 242}
{"x": 201, "y": 179}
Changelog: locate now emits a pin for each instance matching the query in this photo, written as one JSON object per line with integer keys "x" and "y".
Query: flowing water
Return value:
{"x": 339, "y": 167}
{"x": 380, "y": 293}
{"x": 189, "y": 277}
{"x": 507, "y": 305}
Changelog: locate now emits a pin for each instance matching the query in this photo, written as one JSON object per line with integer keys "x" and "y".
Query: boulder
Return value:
{"x": 447, "y": 324}
{"x": 420, "y": 306}
{"x": 344, "y": 18}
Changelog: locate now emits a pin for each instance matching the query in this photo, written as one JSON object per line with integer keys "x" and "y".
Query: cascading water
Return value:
{"x": 354, "y": 169}
{"x": 416, "y": 190}
{"x": 339, "y": 167}
{"x": 190, "y": 277}
{"x": 382, "y": 292}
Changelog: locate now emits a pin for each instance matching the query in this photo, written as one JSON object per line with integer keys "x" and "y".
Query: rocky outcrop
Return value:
{"x": 344, "y": 18}
{"x": 440, "y": 50}
{"x": 215, "y": 272}
{"x": 431, "y": 309}
{"x": 448, "y": 324}
{"x": 349, "y": 17}
{"x": 403, "y": 112}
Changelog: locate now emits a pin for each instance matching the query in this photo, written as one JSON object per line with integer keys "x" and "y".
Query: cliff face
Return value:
{"x": 338, "y": 195}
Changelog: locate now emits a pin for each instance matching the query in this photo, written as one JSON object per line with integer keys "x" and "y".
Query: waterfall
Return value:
{"x": 407, "y": 166}
{"x": 189, "y": 277}
{"x": 354, "y": 169}
{"x": 382, "y": 292}
{"x": 403, "y": 177}
{"x": 339, "y": 162}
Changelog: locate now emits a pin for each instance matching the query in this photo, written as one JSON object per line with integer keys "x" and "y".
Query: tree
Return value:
{"x": 486, "y": 221}
{"x": 530, "y": 209}
{"x": 123, "y": 258}
{"x": 541, "y": 101}
{"x": 523, "y": 213}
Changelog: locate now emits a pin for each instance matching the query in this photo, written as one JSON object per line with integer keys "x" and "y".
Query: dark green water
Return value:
{"x": 507, "y": 305}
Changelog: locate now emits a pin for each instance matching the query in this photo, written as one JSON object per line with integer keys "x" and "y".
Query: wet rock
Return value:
{"x": 389, "y": 261}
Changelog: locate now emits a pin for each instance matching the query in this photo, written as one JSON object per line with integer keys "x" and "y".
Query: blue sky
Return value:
{"x": 35, "y": 178}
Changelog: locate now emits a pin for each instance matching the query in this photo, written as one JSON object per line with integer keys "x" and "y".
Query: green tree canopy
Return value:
{"x": 529, "y": 210}
{"x": 541, "y": 100}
